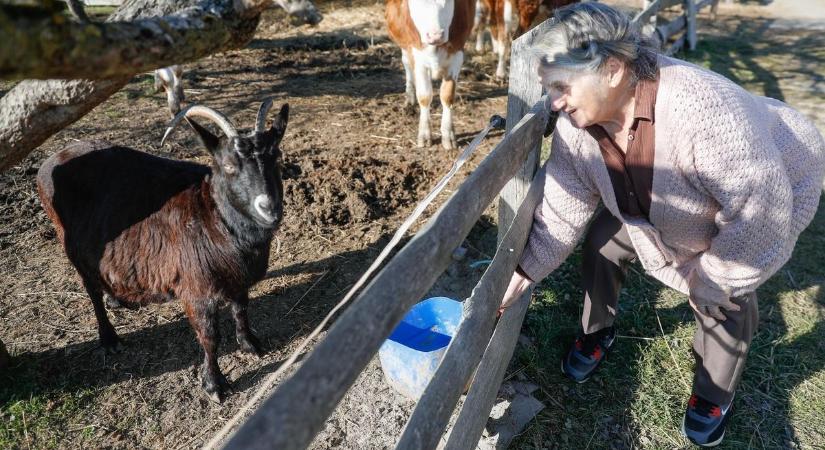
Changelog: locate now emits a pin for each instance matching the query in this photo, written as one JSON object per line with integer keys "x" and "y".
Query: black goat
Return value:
{"x": 144, "y": 229}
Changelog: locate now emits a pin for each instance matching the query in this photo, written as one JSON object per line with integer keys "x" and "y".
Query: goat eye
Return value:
{"x": 229, "y": 168}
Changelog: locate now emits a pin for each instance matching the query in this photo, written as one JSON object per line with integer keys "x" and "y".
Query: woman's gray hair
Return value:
{"x": 584, "y": 35}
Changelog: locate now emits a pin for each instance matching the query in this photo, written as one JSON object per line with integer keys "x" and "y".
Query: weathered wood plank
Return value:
{"x": 297, "y": 410}
{"x": 704, "y": 3}
{"x": 714, "y": 8}
{"x": 669, "y": 29}
{"x": 490, "y": 373}
{"x": 649, "y": 24}
{"x": 434, "y": 408}
{"x": 676, "y": 46}
{"x": 653, "y": 8}
{"x": 524, "y": 92}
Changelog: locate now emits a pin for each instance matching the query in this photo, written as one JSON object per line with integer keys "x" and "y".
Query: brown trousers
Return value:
{"x": 720, "y": 348}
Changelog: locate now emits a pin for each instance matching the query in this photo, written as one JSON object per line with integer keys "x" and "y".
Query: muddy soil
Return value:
{"x": 352, "y": 174}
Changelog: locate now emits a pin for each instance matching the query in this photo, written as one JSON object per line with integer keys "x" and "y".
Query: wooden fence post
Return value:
{"x": 649, "y": 26}
{"x": 524, "y": 91}
{"x": 690, "y": 12}
{"x": 476, "y": 409}
{"x": 714, "y": 8}
{"x": 432, "y": 413}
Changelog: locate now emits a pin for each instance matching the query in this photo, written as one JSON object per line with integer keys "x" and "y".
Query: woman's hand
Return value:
{"x": 708, "y": 300}
{"x": 713, "y": 310}
{"x": 519, "y": 284}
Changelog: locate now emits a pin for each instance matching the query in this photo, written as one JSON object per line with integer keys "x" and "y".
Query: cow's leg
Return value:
{"x": 504, "y": 38}
{"x": 447, "y": 94}
{"x": 409, "y": 91}
{"x": 424, "y": 93}
{"x": 479, "y": 24}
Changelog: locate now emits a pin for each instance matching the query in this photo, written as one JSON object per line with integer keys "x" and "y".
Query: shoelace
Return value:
{"x": 589, "y": 346}
{"x": 704, "y": 407}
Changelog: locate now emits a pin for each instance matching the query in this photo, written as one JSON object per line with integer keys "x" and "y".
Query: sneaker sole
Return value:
{"x": 709, "y": 444}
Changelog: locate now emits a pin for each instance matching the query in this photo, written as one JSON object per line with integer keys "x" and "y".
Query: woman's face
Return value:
{"x": 589, "y": 97}
{"x": 583, "y": 96}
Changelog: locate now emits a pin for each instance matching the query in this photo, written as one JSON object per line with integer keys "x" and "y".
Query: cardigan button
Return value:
{"x": 630, "y": 137}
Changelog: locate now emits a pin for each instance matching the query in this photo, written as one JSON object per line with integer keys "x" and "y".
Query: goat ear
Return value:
{"x": 209, "y": 140}
{"x": 279, "y": 125}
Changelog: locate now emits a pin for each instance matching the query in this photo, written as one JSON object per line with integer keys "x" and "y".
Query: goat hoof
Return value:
{"x": 111, "y": 302}
{"x": 217, "y": 389}
{"x": 250, "y": 345}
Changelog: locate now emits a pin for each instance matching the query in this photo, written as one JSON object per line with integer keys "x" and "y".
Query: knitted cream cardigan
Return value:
{"x": 736, "y": 179}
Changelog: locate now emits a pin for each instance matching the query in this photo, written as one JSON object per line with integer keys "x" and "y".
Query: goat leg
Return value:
{"x": 108, "y": 337}
{"x": 203, "y": 316}
{"x": 113, "y": 302}
{"x": 248, "y": 342}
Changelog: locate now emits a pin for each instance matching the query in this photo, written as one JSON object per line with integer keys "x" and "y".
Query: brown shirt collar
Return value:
{"x": 645, "y": 99}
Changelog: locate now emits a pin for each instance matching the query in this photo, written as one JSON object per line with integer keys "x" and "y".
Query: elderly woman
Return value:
{"x": 705, "y": 184}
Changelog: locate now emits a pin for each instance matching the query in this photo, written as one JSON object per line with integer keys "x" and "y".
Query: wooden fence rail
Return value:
{"x": 436, "y": 405}
{"x": 298, "y": 408}
{"x": 685, "y": 23}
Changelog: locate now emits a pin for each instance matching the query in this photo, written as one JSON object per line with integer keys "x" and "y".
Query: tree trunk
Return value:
{"x": 33, "y": 110}
{"x": 46, "y": 46}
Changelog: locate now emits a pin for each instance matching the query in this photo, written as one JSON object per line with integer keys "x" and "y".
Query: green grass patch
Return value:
{"x": 41, "y": 420}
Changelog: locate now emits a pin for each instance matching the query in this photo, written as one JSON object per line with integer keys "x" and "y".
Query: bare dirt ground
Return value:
{"x": 352, "y": 175}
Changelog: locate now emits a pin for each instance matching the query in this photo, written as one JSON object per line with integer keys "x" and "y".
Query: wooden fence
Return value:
{"x": 297, "y": 410}
{"x": 673, "y": 34}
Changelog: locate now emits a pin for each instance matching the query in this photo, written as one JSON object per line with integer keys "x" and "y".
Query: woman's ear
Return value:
{"x": 615, "y": 72}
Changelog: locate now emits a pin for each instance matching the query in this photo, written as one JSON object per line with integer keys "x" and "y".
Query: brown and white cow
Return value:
{"x": 497, "y": 16}
{"x": 431, "y": 34}
{"x": 506, "y": 20}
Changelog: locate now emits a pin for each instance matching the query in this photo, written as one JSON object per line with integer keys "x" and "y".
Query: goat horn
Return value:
{"x": 207, "y": 113}
{"x": 260, "y": 124}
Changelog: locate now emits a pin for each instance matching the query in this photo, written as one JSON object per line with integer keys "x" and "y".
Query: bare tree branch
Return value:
{"x": 46, "y": 46}
{"x": 33, "y": 111}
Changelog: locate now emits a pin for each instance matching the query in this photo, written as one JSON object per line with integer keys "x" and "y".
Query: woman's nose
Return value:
{"x": 557, "y": 103}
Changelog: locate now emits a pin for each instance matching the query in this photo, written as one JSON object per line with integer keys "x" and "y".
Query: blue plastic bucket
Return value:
{"x": 410, "y": 356}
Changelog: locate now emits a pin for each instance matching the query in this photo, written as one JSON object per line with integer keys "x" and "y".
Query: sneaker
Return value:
{"x": 704, "y": 422}
{"x": 587, "y": 353}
